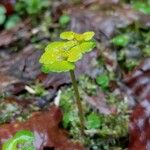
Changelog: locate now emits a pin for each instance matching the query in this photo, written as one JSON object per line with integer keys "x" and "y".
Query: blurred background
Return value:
{"x": 106, "y": 77}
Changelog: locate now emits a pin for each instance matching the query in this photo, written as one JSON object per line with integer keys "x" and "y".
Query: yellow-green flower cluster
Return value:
{"x": 61, "y": 56}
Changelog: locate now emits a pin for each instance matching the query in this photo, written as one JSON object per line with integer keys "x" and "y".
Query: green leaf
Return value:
{"x": 78, "y": 37}
{"x": 67, "y": 35}
{"x": 60, "y": 66}
{"x": 2, "y": 18}
{"x": 103, "y": 81}
{"x": 93, "y": 121}
{"x": 146, "y": 51}
{"x": 76, "y": 52}
{"x": 2, "y": 10}
{"x": 88, "y": 35}
{"x": 23, "y": 136}
{"x": 60, "y": 56}
{"x": 56, "y": 51}
{"x": 66, "y": 119}
{"x": 87, "y": 46}
{"x": 74, "y": 55}
{"x": 2, "y": 14}
{"x": 142, "y": 7}
{"x": 19, "y": 138}
{"x": 64, "y": 20}
{"x": 120, "y": 40}
{"x": 12, "y": 21}
{"x": 50, "y": 57}
{"x": 54, "y": 45}
{"x": 70, "y": 44}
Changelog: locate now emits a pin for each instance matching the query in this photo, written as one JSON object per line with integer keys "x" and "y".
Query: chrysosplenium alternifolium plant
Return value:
{"x": 61, "y": 56}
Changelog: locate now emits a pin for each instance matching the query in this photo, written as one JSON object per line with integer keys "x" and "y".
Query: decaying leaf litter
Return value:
{"x": 106, "y": 80}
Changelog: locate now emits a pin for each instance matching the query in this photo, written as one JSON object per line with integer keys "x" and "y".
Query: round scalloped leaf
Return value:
{"x": 79, "y": 37}
{"x": 74, "y": 55}
{"x": 76, "y": 52}
{"x": 86, "y": 46}
{"x": 69, "y": 45}
{"x": 50, "y": 57}
{"x": 88, "y": 35}
{"x": 67, "y": 35}
{"x": 59, "y": 66}
{"x": 54, "y": 45}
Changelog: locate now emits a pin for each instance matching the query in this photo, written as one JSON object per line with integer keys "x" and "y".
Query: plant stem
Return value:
{"x": 78, "y": 101}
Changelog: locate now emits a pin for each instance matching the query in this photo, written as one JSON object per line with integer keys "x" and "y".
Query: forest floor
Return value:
{"x": 113, "y": 79}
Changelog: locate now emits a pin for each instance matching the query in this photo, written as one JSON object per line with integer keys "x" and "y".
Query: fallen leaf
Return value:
{"x": 8, "y": 37}
{"x": 45, "y": 127}
{"x": 138, "y": 83}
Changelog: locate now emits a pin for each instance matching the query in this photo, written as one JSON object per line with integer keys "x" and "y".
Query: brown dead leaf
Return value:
{"x": 103, "y": 22}
{"x": 45, "y": 127}
{"x": 20, "y": 32}
{"x": 138, "y": 83}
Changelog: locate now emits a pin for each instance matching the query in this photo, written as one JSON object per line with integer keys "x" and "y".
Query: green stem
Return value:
{"x": 78, "y": 101}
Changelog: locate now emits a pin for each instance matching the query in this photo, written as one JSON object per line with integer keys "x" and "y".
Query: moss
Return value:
{"x": 104, "y": 131}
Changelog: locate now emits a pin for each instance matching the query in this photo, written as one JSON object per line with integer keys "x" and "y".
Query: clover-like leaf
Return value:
{"x": 19, "y": 138}
{"x": 67, "y": 35}
{"x": 59, "y": 66}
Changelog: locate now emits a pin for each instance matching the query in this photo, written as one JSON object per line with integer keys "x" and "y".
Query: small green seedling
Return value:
{"x": 12, "y": 21}
{"x": 61, "y": 56}
{"x": 120, "y": 40}
{"x": 23, "y": 138}
{"x": 142, "y": 7}
{"x": 103, "y": 81}
{"x": 64, "y": 20}
{"x": 2, "y": 14}
{"x": 93, "y": 121}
